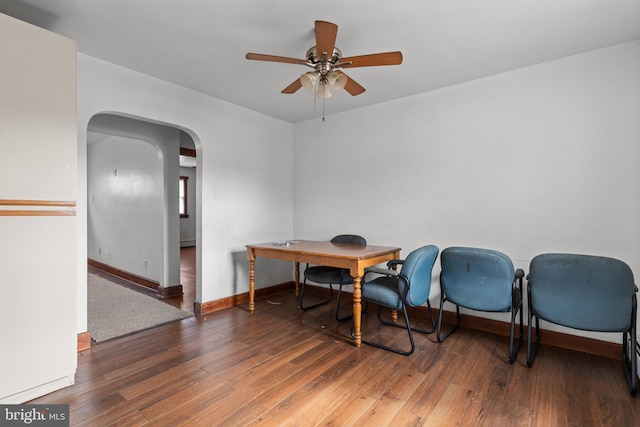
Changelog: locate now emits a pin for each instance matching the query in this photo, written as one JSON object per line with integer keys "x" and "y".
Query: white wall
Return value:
{"x": 535, "y": 160}
{"x": 125, "y": 197}
{"x": 244, "y": 172}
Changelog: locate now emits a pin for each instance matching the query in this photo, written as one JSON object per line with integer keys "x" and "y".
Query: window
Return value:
{"x": 183, "y": 197}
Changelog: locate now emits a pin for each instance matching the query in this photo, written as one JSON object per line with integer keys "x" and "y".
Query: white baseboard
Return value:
{"x": 39, "y": 391}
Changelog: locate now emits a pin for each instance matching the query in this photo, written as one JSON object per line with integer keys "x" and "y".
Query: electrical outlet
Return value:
{"x": 145, "y": 264}
{"x": 99, "y": 251}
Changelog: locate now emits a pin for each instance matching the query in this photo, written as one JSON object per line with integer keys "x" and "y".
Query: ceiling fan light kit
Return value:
{"x": 321, "y": 84}
{"x": 336, "y": 80}
{"x": 327, "y": 75}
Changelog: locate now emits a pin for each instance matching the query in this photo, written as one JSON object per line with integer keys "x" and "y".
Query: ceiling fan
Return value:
{"x": 326, "y": 60}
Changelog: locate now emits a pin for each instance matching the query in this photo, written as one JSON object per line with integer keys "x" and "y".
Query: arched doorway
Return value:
{"x": 134, "y": 228}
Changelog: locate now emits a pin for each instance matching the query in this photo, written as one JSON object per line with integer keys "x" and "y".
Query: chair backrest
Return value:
{"x": 479, "y": 279}
{"x": 416, "y": 272}
{"x": 582, "y": 291}
{"x": 350, "y": 238}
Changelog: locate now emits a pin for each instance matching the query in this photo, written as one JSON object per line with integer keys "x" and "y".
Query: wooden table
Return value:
{"x": 353, "y": 257}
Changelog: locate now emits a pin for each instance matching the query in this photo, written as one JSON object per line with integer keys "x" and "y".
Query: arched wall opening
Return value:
{"x": 133, "y": 221}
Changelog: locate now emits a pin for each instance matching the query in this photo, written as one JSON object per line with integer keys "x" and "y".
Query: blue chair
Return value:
{"x": 398, "y": 290}
{"x": 482, "y": 280}
{"x": 331, "y": 275}
{"x": 586, "y": 292}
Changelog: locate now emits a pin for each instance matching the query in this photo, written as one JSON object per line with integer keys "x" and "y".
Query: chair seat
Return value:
{"x": 324, "y": 274}
{"x": 383, "y": 291}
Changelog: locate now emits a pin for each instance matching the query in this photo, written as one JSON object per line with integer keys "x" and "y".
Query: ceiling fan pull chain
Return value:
{"x": 324, "y": 119}
{"x": 315, "y": 102}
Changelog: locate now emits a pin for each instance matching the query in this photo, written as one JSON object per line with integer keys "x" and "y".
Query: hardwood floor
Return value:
{"x": 281, "y": 367}
{"x": 187, "y": 280}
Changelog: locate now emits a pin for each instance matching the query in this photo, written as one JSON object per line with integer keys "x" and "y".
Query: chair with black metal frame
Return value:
{"x": 585, "y": 292}
{"x": 481, "y": 280}
{"x": 331, "y": 276}
{"x": 397, "y": 290}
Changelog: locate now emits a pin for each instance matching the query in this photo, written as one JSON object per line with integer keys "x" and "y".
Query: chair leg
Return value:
{"x": 629, "y": 359}
{"x": 633, "y": 386}
{"x": 513, "y": 352}
{"x": 394, "y": 350}
{"x": 338, "y": 318}
{"x": 433, "y": 321}
{"x": 304, "y": 282}
{"x": 423, "y": 331}
{"x": 439, "y": 336}
{"x": 532, "y": 350}
{"x": 521, "y": 321}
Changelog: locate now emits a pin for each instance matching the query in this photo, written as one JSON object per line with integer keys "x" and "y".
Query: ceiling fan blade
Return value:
{"x": 326, "y": 33}
{"x": 374, "y": 59}
{"x": 273, "y": 58}
{"x": 353, "y": 87}
{"x": 293, "y": 87}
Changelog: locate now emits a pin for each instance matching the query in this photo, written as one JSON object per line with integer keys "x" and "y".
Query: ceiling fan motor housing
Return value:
{"x": 320, "y": 62}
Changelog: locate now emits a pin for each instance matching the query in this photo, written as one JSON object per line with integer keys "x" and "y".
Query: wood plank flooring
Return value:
{"x": 282, "y": 367}
{"x": 187, "y": 280}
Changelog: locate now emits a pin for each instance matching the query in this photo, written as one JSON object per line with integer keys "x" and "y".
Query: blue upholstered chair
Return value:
{"x": 331, "y": 275}
{"x": 584, "y": 292}
{"x": 483, "y": 280}
{"x": 398, "y": 290}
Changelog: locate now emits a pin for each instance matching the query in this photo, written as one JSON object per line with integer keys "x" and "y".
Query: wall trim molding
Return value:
{"x": 84, "y": 341}
{"x": 114, "y": 271}
{"x": 190, "y": 152}
{"x": 547, "y": 337}
{"x": 16, "y": 207}
{"x": 201, "y": 309}
{"x": 169, "y": 291}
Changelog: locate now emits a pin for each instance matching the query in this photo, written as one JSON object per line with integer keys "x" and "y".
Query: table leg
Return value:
{"x": 394, "y": 313}
{"x": 297, "y": 279}
{"x": 357, "y": 311}
{"x": 252, "y": 285}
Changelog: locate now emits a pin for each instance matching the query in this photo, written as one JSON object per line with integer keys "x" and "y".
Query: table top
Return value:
{"x": 336, "y": 250}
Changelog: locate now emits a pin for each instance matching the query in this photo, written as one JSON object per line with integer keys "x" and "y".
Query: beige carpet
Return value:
{"x": 114, "y": 310}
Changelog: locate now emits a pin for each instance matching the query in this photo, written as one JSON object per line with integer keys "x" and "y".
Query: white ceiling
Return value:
{"x": 201, "y": 44}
